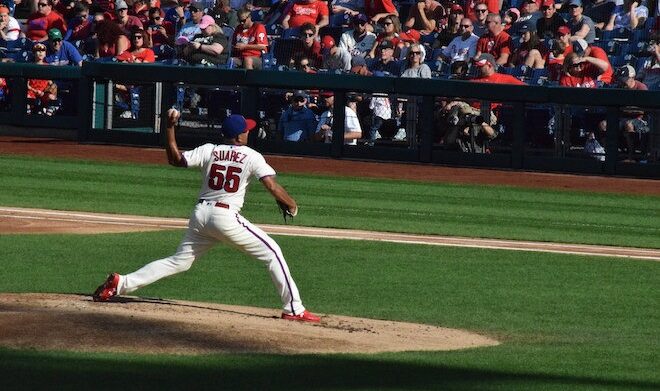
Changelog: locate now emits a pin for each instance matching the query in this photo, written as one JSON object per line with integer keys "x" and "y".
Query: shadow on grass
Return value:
{"x": 51, "y": 370}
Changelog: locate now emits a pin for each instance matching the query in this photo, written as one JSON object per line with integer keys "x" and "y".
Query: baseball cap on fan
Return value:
{"x": 580, "y": 46}
{"x": 121, "y": 5}
{"x": 206, "y": 22}
{"x": 327, "y": 43}
{"x": 485, "y": 58}
{"x": 236, "y": 124}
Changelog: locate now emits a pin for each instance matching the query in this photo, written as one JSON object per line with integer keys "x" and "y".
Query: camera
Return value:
{"x": 457, "y": 118}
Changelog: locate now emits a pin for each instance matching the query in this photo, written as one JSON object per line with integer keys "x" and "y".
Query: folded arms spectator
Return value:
{"x": 207, "y": 48}
{"x": 249, "y": 41}
{"x": 10, "y": 28}
{"x": 43, "y": 20}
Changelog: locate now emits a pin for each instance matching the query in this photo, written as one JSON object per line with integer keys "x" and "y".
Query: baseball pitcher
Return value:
{"x": 226, "y": 171}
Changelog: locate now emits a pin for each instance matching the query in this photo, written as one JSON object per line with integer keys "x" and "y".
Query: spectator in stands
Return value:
{"x": 249, "y": 41}
{"x": 334, "y": 57}
{"x": 303, "y": 64}
{"x": 352, "y": 128}
{"x": 509, "y": 18}
{"x": 547, "y": 26}
{"x": 406, "y": 39}
{"x": 582, "y": 72}
{"x": 378, "y": 9}
{"x": 463, "y": 47}
{"x": 386, "y": 62}
{"x": 191, "y": 26}
{"x": 452, "y": 29}
{"x": 359, "y": 66}
{"x": 224, "y": 14}
{"x": 140, "y": 50}
{"x": 423, "y": 16}
{"x": 480, "y": 22}
{"x": 414, "y": 65}
{"x": 311, "y": 47}
{"x": 10, "y": 28}
{"x": 601, "y": 12}
{"x": 111, "y": 39}
{"x": 529, "y": 15}
{"x": 61, "y": 52}
{"x": 298, "y": 122}
{"x": 650, "y": 73}
{"x": 64, "y": 8}
{"x": 625, "y": 77}
{"x": 496, "y": 42}
{"x": 207, "y": 48}
{"x": 141, "y": 11}
{"x": 631, "y": 16}
{"x": 472, "y": 8}
{"x": 307, "y": 11}
{"x": 555, "y": 61}
{"x": 350, "y": 8}
{"x": 358, "y": 41}
{"x": 581, "y": 48}
{"x": 43, "y": 20}
{"x": 582, "y": 27}
{"x": 487, "y": 65}
{"x": 531, "y": 52}
{"x": 41, "y": 94}
{"x": 125, "y": 21}
{"x": 391, "y": 29}
{"x": 79, "y": 27}
{"x": 161, "y": 31}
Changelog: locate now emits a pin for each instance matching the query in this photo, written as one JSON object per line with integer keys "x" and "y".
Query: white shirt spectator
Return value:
{"x": 461, "y": 50}
{"x": 347, "y": 41}
{"x": 351, "y": 124}
{"x": 380, "y": 106}
{"x": 12, "y": 30}
{"x": 623, "y": 19}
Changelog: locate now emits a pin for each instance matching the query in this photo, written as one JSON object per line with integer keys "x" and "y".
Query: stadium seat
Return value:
{"x": 428, "y": 39}
{"x": 291, "y": 33}
{"x": 257, "y": 15}
{"x": 339, "y": 20}
{"x": 538, "y": 76}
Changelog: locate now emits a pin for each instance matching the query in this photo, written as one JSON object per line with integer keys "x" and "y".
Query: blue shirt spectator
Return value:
{"x": 298, "y": 122}
{"x": 60, "y": 52}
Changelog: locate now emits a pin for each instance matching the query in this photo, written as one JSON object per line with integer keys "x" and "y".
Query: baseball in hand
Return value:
{"x": 173, "y": 115}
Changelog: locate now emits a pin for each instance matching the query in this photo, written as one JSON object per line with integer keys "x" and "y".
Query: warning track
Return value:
{"x": 25, "y": 220}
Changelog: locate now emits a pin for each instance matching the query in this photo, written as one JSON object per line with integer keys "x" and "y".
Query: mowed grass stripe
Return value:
{"x": 383, "y": 205}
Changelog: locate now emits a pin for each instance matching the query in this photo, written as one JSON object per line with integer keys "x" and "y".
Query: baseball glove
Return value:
{"x": 286, "y": 213}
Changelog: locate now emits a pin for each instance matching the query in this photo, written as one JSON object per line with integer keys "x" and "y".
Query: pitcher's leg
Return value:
{"x": 254, "y": 241}
{"x": 192, "y": 247}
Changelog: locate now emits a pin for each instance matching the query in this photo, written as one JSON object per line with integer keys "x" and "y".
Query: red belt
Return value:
{"x": 217, "y": 204}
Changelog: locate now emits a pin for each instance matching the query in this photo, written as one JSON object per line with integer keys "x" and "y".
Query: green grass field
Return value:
{"x": 566, "y": 322}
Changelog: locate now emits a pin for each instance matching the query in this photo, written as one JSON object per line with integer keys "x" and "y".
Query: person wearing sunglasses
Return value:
{"x": 61, "y": 52}
{"x": 160, "y": 30}
{"x": 582, "y": 72}
{"x": 463, "y": 47}
{"x": 298, "y": 122}
{"x": 41, "y": 94}
{"x": 472, "y": 8}
{"x": 359, "y": 40}
{"x": 307, "y": 46}
{"x": 249, "y": 41}
{"x": 496, "y": 42}
{"x": 140, "y": 50}
{"x": 191, "y": 26}
{"x": 480, "y": 19}
{"x": 307, "y": 11}
{"x": 38, "y": 23}
{"x": 79, "y": 27}
{"x": 414, "y": 66}
{"x": 391, "y": 29}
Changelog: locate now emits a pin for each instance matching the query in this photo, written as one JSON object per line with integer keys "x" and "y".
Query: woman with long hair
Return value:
{"x": 140, "y": 50}
{"x": 415, "y": 66}
{"x": 391, "y": 29}
{"x": 111, "y": 39}
{"x": 531, "y": 51}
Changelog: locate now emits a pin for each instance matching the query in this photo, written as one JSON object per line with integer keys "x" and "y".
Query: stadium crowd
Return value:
{"x": 576, "y": 43}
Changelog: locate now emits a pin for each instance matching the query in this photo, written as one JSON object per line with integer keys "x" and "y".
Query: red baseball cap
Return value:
{"x": 411, "y": 35}
{"x": 548, "y": 3}
{"x": 456, "y": 9}
{"x": 4, "y": 9}
{"x": 327, "y": 42}
{"x": 563, "y": 30}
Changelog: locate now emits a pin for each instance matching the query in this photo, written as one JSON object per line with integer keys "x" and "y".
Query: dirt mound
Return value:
{"x": 139, "y": 325}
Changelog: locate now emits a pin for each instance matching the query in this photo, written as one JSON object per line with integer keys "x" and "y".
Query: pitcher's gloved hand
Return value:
{"x": 286, "y": 212}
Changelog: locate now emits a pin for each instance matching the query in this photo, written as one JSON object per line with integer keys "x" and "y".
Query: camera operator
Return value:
{"x": 466, "y": 129}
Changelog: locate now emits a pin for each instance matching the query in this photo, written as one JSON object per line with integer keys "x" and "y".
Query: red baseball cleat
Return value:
{"x": 306, "y": 316}
{"x": 108, "y": 289}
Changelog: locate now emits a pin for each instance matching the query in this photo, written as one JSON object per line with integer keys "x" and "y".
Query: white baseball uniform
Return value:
{"x": 226, "y": 171}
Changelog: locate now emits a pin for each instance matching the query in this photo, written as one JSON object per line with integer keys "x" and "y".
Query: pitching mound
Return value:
{"x": 139, "y": 325}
